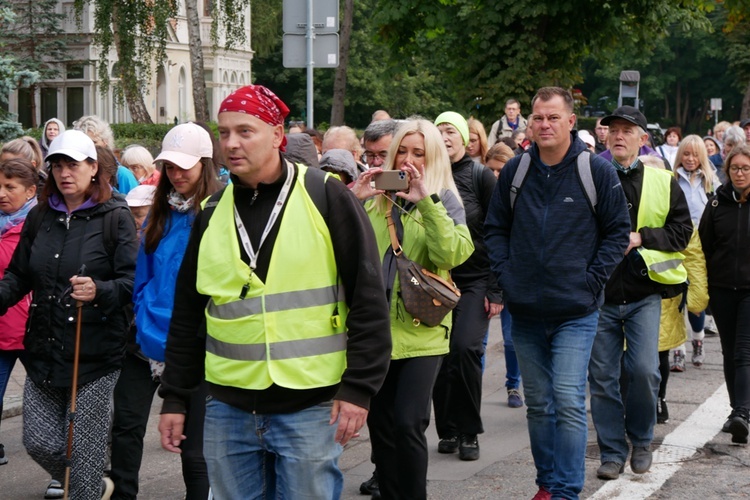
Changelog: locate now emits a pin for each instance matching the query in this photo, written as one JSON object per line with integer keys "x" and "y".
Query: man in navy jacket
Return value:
{"x": 552, "y": 252}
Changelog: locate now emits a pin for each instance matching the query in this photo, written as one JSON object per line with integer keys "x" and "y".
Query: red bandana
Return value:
{"x": 258, "y": 101}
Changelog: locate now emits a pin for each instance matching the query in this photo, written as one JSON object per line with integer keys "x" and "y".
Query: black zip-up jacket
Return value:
{"x": 725, "y": 236}
{"x": 43, "y": 264}
{"x": 368, "y": 351}
{"x": 630, "y": 282}
{"x": 476, "y": 267}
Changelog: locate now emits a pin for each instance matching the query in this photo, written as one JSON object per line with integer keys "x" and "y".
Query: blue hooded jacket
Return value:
{"x": 551, "y": 254}
{"x": 155, "y": 278}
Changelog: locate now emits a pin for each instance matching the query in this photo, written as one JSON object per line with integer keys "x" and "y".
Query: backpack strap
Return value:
{"x": 315, "y": 184}
{"x": 35, "y": 224}
{"x": 476, "y": 177}
{"x": 110, "y": 230}
{"x": 587, "y": 179}
{"x": 209, "y": 207}
{"x": 519, "y": 178}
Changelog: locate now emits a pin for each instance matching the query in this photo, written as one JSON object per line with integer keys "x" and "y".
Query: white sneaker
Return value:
{"x": 678, "y": 361}
{"x": 710, "y": 326}
{"x": 108, "y": 487}
{"x": 697, "y": 352}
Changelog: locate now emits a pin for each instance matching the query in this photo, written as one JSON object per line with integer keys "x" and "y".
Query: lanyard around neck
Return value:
{"x": 252, "y": 254}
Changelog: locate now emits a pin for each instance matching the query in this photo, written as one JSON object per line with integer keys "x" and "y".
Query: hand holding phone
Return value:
{"x": 392, "y": 180}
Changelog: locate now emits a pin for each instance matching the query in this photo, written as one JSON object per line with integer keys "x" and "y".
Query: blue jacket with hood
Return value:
{"x": 551, "y": 254}
{"x": 155, "y": 278}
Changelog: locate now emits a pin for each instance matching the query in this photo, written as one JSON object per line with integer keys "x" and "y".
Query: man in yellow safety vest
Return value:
{"x": 282, "y": 274}
{"x": 628, "y": 332}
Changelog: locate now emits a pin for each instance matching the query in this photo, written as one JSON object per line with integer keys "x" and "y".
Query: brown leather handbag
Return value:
{"x": 427, "y": 297}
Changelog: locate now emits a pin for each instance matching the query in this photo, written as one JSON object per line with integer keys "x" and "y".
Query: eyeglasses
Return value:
{"x": 371, "y": 157}
{"x": 744, "y": 169}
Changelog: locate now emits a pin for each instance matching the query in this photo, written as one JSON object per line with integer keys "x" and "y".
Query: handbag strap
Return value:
{"x": 395, "y": 244}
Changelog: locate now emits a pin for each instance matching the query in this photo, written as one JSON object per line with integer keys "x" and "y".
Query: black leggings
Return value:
{"x": 399, "y": 416}
{"x": 664, "y": 370}
{"x": 133, "y": 396}
{"x": 458, "y": 390}
{"x": 731, "y": 310}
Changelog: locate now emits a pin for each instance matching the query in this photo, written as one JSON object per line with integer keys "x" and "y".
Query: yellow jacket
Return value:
{"x": 672, "y": 329}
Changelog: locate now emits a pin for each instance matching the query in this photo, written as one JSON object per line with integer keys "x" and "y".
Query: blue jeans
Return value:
{"x": 637, "y": 325}
{"x": 697, "y": 321}
{"x": 7, "y": 362}
{"x": 261, "y": 456}
{"x": 553, "y": 356}
{"x": 512, "y": 372}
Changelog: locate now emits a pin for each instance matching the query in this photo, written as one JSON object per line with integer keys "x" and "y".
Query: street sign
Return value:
{"x": 311, "y": 39}
{"x": 325, "y": 50}
{"x": 325, "y": 17}
{"x": 716, "y": 104}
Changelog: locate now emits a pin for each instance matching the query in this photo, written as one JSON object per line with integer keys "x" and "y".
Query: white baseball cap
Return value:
{"x": 74, "y": 144}
{"x": 587, "y": 138}
{"x": 185, "y": 145}
{"x": 141, "y": 196}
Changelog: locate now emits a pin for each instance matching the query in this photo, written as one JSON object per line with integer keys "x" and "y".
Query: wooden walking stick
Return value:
{"x": 73, "y": 393}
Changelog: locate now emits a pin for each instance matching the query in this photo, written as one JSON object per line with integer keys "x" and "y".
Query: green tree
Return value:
{"x": 138, "y": 31}
{"x": 11, "y": 78}
{"x": 681, "y": 72}
{"x": 496, "y": 49}
{"x": 372, "y": 80}
{"x": 736, "y": 27}
{"x": 265, "y": 18}
{"x": 36, "y": 39}
{"x": 200, "y": 100}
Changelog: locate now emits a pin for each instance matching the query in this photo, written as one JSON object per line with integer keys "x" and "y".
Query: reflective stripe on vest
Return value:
{"x": 276, "y": 302}
{"x": 278, "y": 350}
{"x": 288, "y": 331}
{"x": 663, "y": 267}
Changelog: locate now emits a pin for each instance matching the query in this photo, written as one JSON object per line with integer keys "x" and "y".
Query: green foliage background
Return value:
{"x": 426, "y": 56}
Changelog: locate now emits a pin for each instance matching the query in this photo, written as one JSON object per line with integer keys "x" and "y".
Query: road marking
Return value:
{"x": 700, "y": 427}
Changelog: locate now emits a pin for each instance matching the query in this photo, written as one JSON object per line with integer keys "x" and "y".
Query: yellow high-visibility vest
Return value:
{"x": 290, "y": 330}
{"x": 663, "y": 267}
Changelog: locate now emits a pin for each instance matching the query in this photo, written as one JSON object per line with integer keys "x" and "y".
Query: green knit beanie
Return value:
{"x": 458, "y": 121}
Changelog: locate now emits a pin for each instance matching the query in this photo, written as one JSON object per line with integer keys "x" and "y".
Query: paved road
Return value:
{"x": 696, "y": 460}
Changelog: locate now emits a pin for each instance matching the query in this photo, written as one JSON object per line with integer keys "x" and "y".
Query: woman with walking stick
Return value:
{"x": 77, "y": 223}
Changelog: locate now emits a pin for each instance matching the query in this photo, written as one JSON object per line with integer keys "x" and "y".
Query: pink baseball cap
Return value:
{"x": 185, "y": 145}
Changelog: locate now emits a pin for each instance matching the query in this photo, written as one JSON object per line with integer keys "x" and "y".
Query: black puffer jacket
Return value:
{"x": 477, "y": 267}
{"x": 725, "y": 237}
{"x": 49, "y": 253}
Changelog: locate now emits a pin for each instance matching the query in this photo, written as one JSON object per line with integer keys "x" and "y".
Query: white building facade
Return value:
{"x": 168, "y": 94}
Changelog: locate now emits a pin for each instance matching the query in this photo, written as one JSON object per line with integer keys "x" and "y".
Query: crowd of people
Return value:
{"x": 181, "y": 272}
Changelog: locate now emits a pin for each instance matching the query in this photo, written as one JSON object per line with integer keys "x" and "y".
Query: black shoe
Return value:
{"x": 370, "y": 486}
{"x": 738, "y": 427}
{"x": 3, "y": 458}
{"x": 468, "y": 448}
{"x": 610, "y": 470}
{"x": 662, "y": 412}
{"x": 448, "y": 445}
{"x": 640, "y": 459}
{"x": 725, "y": 427}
